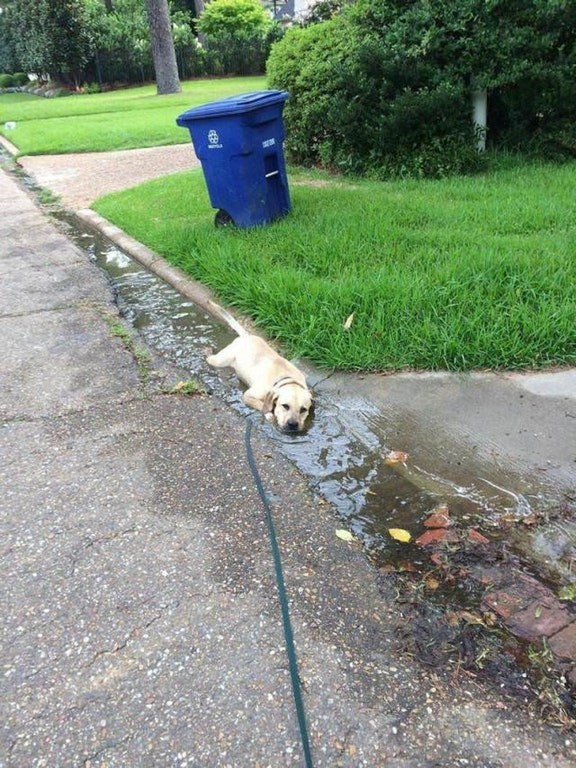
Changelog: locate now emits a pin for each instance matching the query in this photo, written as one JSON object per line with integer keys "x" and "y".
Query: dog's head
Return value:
{"x": 289, "y": 404}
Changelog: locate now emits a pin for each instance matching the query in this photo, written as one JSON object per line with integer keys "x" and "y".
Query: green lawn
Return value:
{"x": 461, "y": 273}
{"x": 457, "y": 274}
{"x": 123, "y": 119}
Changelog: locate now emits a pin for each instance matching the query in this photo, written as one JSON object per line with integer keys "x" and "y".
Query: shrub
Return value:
{"x": 354, "y": 107}
{"x": 237, "y": 36}
{"x": 7, "y": 81}
{"x": 226, "y": 18}
{"x": 385, "y": 88}
{"x": 20, "y": 79}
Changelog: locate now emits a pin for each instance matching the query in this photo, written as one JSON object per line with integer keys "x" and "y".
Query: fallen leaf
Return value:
{"x": 398, "y": 568}
{"x": 431, "y": 582}
{"x": 344, "y": 535}
{"x": 454, "y": 617}
{"x": 400, "y": 534}
{"x": 396, "y": 457}
{"x": 349, "y": 321}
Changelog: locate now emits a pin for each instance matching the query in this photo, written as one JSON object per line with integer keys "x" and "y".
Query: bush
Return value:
{"x": 384, "y": 88}
{"x": 237, "y": 36}
{"x": 7, "y": 81}
{"x": 354, "y": 107}
{"x": 20, "y": 79}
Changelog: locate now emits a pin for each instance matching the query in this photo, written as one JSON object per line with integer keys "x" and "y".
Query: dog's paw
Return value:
{"x": 269, "y": 417}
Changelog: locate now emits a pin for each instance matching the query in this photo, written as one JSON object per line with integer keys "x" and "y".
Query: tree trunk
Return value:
{"x": 163, "y": 52}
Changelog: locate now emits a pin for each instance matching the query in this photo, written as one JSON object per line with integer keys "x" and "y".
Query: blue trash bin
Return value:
{"x": 239, "y": 141}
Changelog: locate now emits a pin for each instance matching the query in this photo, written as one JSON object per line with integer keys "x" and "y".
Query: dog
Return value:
{"x": 275, "y": 386}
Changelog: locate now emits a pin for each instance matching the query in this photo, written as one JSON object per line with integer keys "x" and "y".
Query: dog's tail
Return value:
{"x": 227, "y": 317}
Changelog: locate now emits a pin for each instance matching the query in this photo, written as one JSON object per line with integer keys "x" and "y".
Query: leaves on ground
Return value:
{"x": 345, "y": 535}
{"x": 400, "y": 534}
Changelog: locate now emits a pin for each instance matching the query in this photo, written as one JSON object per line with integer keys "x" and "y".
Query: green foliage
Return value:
{"x": 49, "y": 37}
{"x": 223, "y": 19}
{"x": 237, "y": 36}
{"x": 20, "y": 78}
{"x": 107, "y": 43}
{"x": 322, "y": 10}
{"x": 384, "y": 87}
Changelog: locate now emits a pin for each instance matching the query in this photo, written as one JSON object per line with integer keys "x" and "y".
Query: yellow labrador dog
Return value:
{"x": 275, "y": 386}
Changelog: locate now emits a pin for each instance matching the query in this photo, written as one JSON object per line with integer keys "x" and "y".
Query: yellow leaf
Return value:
{"x": 344, "y": 535}
{"x": 400, "y": 534}
{"x": 349, "y": 321}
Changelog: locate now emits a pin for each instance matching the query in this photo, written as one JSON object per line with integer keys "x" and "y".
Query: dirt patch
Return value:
{"x": 80, "y": 179}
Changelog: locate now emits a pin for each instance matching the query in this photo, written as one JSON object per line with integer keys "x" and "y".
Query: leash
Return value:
{"x": 288, "y": 635}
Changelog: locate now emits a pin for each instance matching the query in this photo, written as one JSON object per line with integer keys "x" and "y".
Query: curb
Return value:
{"x": 175, "y": 277}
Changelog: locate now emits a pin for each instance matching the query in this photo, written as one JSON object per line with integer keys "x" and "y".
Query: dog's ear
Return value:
{"x": 269, "y": 402}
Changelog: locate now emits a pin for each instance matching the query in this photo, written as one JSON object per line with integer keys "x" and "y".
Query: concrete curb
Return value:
{"x": 175, "y": 277}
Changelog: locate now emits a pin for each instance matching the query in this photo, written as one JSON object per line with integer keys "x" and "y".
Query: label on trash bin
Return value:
{"x": 213, "y": 140}
{"x": 268, "y": 143}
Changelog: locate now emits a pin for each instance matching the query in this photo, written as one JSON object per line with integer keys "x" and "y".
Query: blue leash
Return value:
{"x": 288, "y": 635}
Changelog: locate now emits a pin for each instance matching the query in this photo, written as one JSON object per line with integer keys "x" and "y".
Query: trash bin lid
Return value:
{"x": 233, "y": 105}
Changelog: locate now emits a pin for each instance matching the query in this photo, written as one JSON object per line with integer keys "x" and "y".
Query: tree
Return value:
{"x": 237, "y": 34}
{"x": 50, "y": 37}
{"x": 233, "y": 18}
{"x": 163, "y": 51}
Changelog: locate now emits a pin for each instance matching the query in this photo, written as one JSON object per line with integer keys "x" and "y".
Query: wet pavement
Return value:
{"x": 140, "y": 624}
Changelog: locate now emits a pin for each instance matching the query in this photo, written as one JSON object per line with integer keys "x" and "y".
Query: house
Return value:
{"x": 288, "y": 10}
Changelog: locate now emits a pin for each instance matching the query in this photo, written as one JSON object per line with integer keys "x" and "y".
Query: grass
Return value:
{"x": 123, "y": 119}
{"x": 458, "y": 274}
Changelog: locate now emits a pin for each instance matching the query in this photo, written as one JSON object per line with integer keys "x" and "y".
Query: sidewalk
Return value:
{"x": 140, "y": 624}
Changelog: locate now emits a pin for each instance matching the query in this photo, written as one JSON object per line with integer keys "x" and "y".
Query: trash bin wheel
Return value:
{"x": 223, "y": 219}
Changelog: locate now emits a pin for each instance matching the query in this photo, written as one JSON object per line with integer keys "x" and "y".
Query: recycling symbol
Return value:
{"x": 213, "y": 137}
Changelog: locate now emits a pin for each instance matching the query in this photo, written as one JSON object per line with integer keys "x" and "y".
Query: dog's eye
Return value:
{"x": 286, "y": 406}
{"x": 303, "y": 410}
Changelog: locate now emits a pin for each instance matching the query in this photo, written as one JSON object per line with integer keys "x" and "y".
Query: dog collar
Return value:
{"x": 284, "y": 380}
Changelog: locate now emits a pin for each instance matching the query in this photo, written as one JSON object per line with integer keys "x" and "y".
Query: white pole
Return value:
{"x": 480, "y": 116}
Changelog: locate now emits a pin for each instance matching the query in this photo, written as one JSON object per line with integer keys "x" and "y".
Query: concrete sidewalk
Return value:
{"x": 139, "y": 618}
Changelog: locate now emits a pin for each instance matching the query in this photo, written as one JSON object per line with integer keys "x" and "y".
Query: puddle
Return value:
{"x": 342, "y": 453}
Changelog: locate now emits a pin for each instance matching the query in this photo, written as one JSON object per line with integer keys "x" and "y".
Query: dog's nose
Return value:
{"x": 292, "y": 424}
